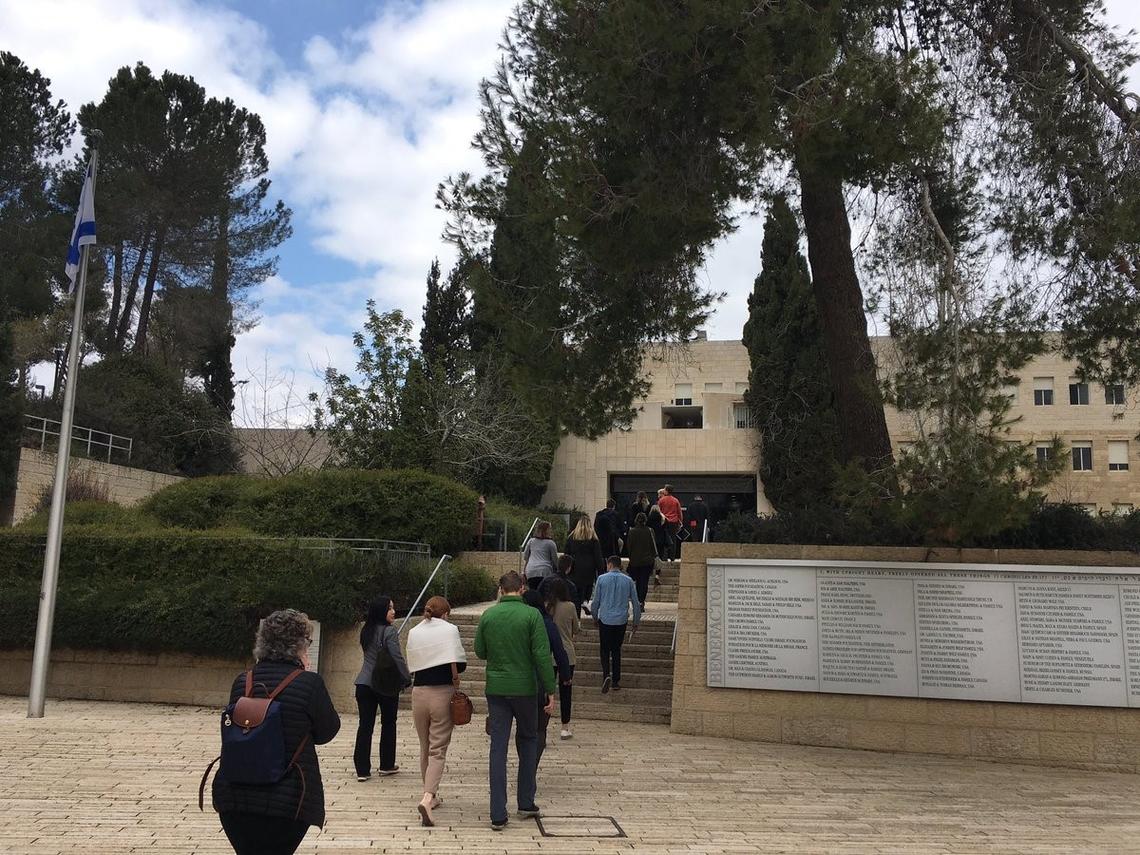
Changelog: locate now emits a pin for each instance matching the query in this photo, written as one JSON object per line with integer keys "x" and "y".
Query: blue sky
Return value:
{"x": 367, "y": 107}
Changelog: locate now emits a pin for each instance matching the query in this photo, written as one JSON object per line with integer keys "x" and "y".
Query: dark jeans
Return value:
{"x": 255, "y": 834}
{"x": 367, "y": 702}
{"x": 641, "y": 581}
{"x": 502, "y": 710}
{"x": 610, "y": 640}
{"x": 543, "y": 725}
{"x": 532, "y": 582}
{"x": 674, "y": 542}
{"x": 565, "y": 693}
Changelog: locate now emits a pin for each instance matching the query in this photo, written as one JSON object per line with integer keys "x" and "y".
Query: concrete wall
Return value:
{"x": 124, "y": 485}
{"x": 1077, "y": 736}
{"x": 171, "y": 678}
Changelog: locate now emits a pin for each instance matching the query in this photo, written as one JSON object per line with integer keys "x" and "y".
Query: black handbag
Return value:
{"x": 386, "y": 677}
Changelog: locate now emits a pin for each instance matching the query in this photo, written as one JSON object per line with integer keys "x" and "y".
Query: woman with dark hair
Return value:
{"x": 378, "y": 632}
{"x": 436, "y": 657}
{"x": 564, "y": 613}
{"x": 272, "y": 819}
{"x": 642, "y": 556}
{"x": 540, "y": 556}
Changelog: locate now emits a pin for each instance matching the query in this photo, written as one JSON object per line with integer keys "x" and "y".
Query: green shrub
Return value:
{"x": 185, "y": 592}
{"x": 104, "y": 515}
{"x": 400, "y": 504}
{"x": 518, "y": 521}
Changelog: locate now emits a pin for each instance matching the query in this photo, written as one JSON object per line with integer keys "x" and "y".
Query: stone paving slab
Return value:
{"x": 117, "y": 779}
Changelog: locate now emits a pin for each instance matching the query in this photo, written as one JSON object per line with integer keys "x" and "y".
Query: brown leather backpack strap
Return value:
{"x": 300, "y": 769}
{"x": 202, "y": 786}
{"x": 454, "y": 674}
{"x": 289, "y": 679}
{"x": 249, "y": 683}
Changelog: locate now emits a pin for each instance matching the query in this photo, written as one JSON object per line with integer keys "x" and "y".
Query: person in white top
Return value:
{"x": 435, "y": 658}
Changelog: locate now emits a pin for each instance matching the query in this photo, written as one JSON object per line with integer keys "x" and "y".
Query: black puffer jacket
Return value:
{"x": 306, "y": 709}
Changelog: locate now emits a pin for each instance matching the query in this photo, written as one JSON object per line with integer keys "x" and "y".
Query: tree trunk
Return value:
{"x": 219, "y": 379}
{"x": 148, "y": 290}
{"x": 116, "y": 296}
{"x": 862, "y": 423}
{"x": 129, "y": 301}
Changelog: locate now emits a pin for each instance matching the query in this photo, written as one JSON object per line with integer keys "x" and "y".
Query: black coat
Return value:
{"x": 589, "y": 563}
{"x": 607, "y": 526}
{"x": 306, "y": 709}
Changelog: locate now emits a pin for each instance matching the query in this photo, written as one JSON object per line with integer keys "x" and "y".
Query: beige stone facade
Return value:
{"x": 1056, "y": 735}
{"x": 713, "y": 375}
{"x": 124, "y": 485}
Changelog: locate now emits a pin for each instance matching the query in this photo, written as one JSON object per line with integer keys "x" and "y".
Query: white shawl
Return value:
{"x": 434, "y": 641}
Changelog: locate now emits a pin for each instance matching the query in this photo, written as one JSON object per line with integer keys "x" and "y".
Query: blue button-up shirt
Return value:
{"x": 614, "y": 593}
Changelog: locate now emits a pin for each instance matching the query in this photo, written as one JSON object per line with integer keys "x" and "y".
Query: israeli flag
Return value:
{"x": 84, "y": 231}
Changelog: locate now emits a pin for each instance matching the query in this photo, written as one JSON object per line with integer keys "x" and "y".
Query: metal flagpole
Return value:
{"x": 42, "y": 656}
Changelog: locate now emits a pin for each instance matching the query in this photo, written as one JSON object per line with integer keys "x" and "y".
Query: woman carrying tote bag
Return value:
{"x": 435, "y": 657}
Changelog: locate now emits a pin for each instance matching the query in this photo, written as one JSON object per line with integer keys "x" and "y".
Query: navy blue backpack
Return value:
{"x": 253, "y": 741}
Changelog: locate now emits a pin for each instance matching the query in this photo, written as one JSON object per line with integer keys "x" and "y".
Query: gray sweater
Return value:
{"x": 391, "y": 637}
{"x": 541, "y": 556}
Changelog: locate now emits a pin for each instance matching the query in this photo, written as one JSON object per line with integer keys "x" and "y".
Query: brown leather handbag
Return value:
{"x": 461, "y": 706}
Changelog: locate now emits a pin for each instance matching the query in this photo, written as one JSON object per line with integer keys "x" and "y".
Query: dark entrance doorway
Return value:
{"x": 724, "y": 494}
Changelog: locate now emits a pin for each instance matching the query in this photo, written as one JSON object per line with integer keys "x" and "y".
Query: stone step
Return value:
{"x": 587, "y": 675}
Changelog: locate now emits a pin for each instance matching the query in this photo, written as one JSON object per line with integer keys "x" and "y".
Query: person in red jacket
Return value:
{"x": 670, "y": 508}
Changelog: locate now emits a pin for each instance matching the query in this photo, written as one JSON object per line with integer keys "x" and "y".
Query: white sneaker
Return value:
{"x": 565, "y": 734}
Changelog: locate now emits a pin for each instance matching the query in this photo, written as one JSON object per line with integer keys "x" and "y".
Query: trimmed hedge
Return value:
{"x": 190, "y": 593}
{"x": 1051, "y": 526}
{"x": 401, "y": 504}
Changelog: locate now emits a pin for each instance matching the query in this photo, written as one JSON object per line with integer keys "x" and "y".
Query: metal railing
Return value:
{"x": 427, "y": 585}
{"x": 92, "y": 439}
{"x": 673, "y": 645}
{"x": 397, "y": 553}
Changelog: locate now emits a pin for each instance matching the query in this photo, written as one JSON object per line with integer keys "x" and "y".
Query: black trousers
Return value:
{"x": 565, "y": 693}
{"x": 641, "y": 581}
{"x": 256, "y": 834}
{"x": 610, "y": 640}
{"x": 367, "y": 702}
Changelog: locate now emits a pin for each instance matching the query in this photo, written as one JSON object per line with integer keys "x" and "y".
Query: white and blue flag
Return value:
{"x": 84, "y": 231}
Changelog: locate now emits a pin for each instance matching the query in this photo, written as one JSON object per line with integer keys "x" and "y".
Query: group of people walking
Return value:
{"x": 527, "y": 639}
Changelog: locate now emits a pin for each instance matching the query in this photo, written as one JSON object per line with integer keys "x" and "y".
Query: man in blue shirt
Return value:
{"x": 614, "y": 595}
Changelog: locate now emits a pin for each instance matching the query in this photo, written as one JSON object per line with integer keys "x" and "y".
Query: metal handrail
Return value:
{"x": 673, "y": 646}
{"x": 39, "y": 425}
{"x": 427, "y": 584}
{"x": 525, "y": 540}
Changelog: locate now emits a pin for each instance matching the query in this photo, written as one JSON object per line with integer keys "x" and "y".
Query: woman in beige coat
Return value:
{"x": 435, "y": 658}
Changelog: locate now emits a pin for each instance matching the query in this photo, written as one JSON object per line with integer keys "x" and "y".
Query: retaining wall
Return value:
{"x": 1086, "y": 737}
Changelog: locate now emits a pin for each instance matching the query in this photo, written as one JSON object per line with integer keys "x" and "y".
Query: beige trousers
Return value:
{"x": 431, "y": 711}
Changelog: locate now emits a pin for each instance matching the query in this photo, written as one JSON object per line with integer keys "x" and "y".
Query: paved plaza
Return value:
{"x": 117, "y": 778}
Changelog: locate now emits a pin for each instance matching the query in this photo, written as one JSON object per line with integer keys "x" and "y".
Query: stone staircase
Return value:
{"x": 647, "y": 663}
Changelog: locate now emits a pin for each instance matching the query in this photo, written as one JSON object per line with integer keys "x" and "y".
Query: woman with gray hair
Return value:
{"x": 266, "y": 819}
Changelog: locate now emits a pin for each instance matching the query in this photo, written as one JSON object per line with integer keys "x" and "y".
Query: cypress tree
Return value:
{"x": 789, "y": 392}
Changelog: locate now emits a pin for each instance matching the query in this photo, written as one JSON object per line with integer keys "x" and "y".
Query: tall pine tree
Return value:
{"x": 789, "y": 390}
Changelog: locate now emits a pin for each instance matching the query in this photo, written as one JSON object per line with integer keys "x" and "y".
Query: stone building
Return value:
{"x": 694, "y": 431}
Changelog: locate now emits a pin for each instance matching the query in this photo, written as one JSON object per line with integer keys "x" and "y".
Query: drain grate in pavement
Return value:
{"x": 579, "y": 826}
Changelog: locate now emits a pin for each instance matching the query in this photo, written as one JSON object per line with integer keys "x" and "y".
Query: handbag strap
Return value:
{"x": 454, "y": 674}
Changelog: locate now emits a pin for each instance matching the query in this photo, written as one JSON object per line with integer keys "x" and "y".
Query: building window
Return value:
{"x": 1044, "y": 454}
{"x": 1078, "y": 393}
{"x": 683, "y": 395}
{"x": 1042, "y": 391}
{"x": 1114, "y": 394}
{"x": 1118, "y": 455}
{"x": 1121, "y": 508}
{"x": 1089, "y": 508}
{"x": 742, "y": 416}
{"x": 714, "y": 387}
{"x": 1082, "y": 457}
